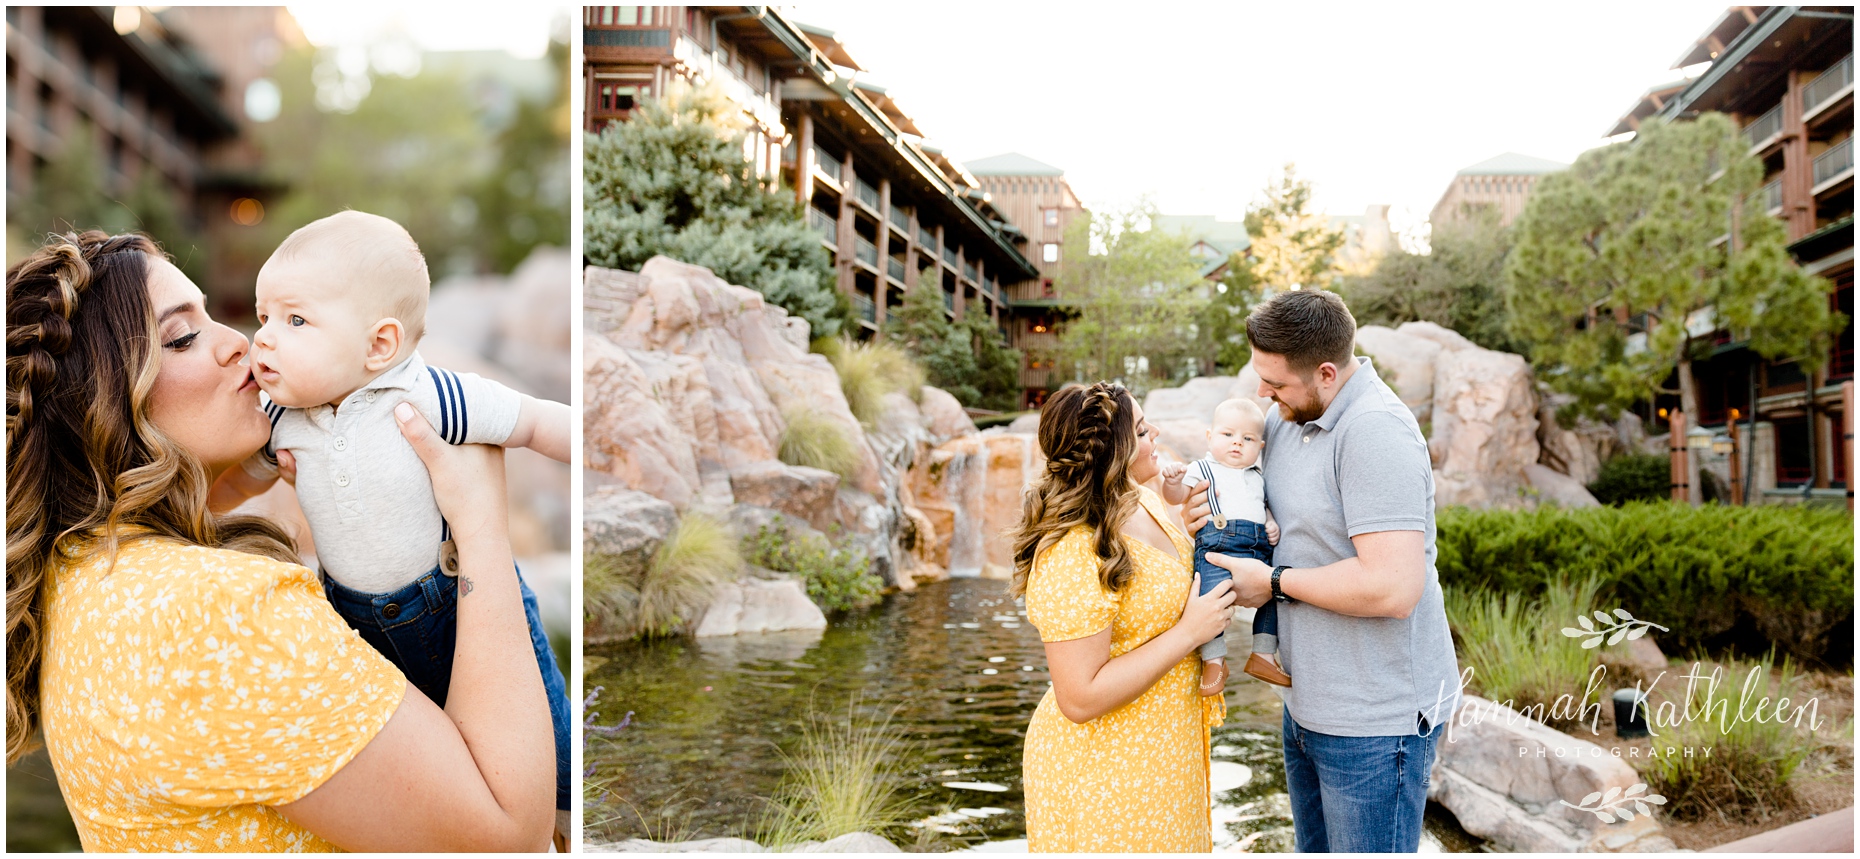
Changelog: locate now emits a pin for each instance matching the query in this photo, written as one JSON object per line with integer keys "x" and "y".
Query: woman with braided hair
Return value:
{"x": 195, "y": 689}
{"x": 1117, "y": 753}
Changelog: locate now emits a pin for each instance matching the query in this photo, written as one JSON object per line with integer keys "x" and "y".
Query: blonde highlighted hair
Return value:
{"x": 86, "y": 469}
{"x": 1088, "y": 434}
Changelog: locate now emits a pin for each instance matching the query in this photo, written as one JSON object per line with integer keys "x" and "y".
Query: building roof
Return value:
{"x": 1513, "y": 164}
{"x": 1011, "y": 164}
{"x": 1650, "y": 102}
{"x": 1722, "y": 32}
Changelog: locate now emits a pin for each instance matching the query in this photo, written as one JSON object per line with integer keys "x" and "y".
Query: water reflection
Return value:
{"x": 955, "y": 664}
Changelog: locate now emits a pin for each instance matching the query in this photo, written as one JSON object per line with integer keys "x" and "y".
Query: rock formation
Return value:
{"x": 1514, "y": 781}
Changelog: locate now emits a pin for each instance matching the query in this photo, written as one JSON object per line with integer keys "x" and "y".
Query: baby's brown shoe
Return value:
{"x": 1213, "y": 677}
{"x": 1263, "y": 667}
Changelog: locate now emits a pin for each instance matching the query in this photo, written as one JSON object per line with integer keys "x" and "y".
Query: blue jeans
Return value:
{"x": 416, "y": 627}
{"x": 1358, "y": 794}
{"x": 1240, "y": 539}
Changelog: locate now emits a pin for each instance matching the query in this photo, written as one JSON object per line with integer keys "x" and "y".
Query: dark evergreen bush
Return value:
{"x": 1635, "y": 477}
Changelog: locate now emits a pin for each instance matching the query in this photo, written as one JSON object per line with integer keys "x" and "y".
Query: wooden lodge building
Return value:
{"x": 1036, "y": 199}
{"x": 895, "y": 213}
{"x": 1784, "y": 73}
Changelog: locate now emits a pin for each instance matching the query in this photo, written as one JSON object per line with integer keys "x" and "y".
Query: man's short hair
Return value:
{"x": 1307, "y": 327}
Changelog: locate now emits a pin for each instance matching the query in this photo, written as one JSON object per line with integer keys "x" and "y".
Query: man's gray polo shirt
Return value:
{"x": 1360, "y": 468}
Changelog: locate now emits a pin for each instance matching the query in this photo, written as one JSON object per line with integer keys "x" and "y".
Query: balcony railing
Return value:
{"x": 827, "y": 163}
{"x": 1837, "y": 160}
{"x": 1764, "y": 127}
{"x": 828, "y": 228}
{"x": 949, "y": 301}
{"x": 599, "y": 38}
{"x": 925, "y": 237}
{"x": 949, "y": 256}
{"x": 900, "y": 219}
{"x": 968, "y": 270}
{"x": 895, "y": 268}
{"x": 865, "y": 251}
{"x": 1838, "y": 77}
{"x": 867, "y": 310}
{"x": 866, "y": 193}
{"x": 1772, "y": 197}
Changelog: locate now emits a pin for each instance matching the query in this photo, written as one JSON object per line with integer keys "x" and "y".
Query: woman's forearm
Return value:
{"x": 497, "y": 698}
{"x": 1085, "y": 691}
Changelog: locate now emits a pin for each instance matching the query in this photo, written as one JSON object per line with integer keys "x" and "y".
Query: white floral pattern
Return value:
{"x": 187, "y": 690}
{"x": 1134, "y": 779}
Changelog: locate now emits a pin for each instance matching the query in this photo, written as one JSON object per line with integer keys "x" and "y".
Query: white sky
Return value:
{"x": 1199, "y": 104}
{"x": 521, "y": 29}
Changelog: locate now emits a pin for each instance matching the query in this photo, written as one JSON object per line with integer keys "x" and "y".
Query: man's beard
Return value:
{"x": 1303, "y": 413}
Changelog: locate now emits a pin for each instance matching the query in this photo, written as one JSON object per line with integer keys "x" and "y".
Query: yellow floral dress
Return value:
{"x": 1134, "y": 779}
{"x": 187, "y": 690}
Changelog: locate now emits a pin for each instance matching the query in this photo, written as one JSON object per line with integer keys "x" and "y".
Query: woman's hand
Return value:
{"x": 1205, "y": 616}
{"x": 468, "y": 479}
{"x": 1195, "y": 511}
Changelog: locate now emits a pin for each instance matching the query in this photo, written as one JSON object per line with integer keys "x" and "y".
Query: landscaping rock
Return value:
{"x": 1506, "y": 778}
{"x": 1485, "y": 427}
{"x": 1557, "y": 488}
{"x": 625, "y": 524}
{"x": 1408, "y": 364}
{"x": 1449, "y": 340}
{"x": 944, "y": 415}
{"x": 855, "y": 842}
{"x": 796, "y": 490}
{"x": 706, "y": 845}
{"x": 1025, "y": 425}
{"x": 756, "y": 604}
{"x": 747, "y": 519}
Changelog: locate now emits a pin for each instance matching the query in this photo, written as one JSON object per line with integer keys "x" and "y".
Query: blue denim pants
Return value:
{"x": 1358, "y": 794}
{"x": 1240, "y": 539}
{"x": 416, "y": 628}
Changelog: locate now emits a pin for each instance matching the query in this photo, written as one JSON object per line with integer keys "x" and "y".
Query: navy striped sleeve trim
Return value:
{"x": 453, "y": 418}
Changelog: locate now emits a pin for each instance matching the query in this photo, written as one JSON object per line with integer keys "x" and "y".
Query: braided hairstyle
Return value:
{"x": 1088, "y": 435}
{"x": 86, "y": 469}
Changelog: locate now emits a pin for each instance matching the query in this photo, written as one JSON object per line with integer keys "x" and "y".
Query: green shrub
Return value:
{"x": 814, "y": 440}
{"x": 837, "y": 577}
{"x": 1518, "y": 652}
{"x": 670, "y": 593}
{"x": 1001, "y": 420}
{"x": 1721, "y": 578}
{"x": 1634, "y": 477}
{"x": 1748, "y": 770}
{"x": 845, "y": 777}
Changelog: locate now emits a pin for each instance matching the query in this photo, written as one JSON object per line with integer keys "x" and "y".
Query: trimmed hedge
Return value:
{"x": 1634, "y": 477}
{"x": 1720, "y": 578}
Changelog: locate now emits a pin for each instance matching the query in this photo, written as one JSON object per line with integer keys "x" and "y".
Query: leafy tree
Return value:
{"x": 1291, "y": 247}
{"x": 1617, "y": 278}
{"x": 69, "y": 194}
{"x": 523, "y": 200}
{"x": 967, "y": 358}
{"x": 1458, "y": 284}
{"x": 1135, "y": 304}
{"x": 672, "y": 180}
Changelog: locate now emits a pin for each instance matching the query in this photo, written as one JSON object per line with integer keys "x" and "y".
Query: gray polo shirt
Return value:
{"x": 1360, "y": 468}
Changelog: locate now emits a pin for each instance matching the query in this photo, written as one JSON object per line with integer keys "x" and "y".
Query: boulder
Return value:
{"x": 852, "y": 842}
{"x": 944, "y": 416}
{"x": 1025, "y": 425}
{"x": 532, "y": 328}
{"x": 1514, "y": 781}
{"x": 1407, "y": 362}
{"x": 1558, "y": 488}
{"x": 625, "y": 525}
{"x": 797, "y": 490}
{"x": 1580, "y": 449}
{"x": 1485, "y": 427}
{"x": 1449, "y": 340}
{"x": 763, "y": 601}
{"x": 747, "y": 519}
{"x": 703, "y": 845}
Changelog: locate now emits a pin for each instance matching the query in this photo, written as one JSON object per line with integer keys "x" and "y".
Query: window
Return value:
{"x": 607, "y": 16}
{"x": 615, "y": 98}
{"x": 1049, "y": 252}
{"x": 628, "y": 16}
{"x": 1052, "y": 217}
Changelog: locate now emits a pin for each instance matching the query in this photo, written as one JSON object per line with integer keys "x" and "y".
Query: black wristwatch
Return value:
{"x": 1276, "y": 593}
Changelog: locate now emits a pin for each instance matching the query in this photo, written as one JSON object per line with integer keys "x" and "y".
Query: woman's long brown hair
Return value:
{"x": 85, "y": 468}
{"x": 1088, "y": 435}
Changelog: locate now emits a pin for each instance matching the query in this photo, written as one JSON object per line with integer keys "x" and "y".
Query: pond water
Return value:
{"x": 955, "y": 664}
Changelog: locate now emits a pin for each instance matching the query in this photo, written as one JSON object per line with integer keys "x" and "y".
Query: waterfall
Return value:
{"x": 965, "y": 482}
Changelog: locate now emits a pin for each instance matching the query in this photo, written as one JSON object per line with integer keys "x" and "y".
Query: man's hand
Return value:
{"x": 1252, "y": 578}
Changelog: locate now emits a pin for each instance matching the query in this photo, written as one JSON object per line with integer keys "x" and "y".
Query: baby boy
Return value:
{"x": 1241, "y": 527}
{"x": 341, "y": 305}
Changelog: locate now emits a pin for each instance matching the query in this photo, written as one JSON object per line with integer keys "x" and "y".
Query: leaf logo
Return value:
{"x": 1617, "y": 804}
{"x": 1621, "y": 627}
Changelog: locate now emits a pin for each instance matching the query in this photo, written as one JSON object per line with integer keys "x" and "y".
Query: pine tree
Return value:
{"x": 1456, "y": 284}
{"x": 672, "y": 180}
{"x": 1290, "y": 247}
{"x": 967, "y": 358}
